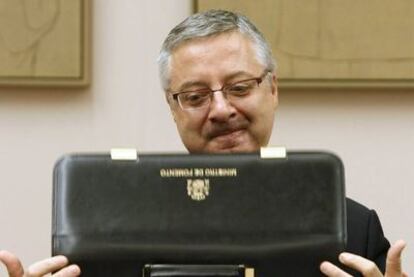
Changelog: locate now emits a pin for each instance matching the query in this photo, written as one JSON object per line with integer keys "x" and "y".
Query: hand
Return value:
{"x": 15, "y": 268}
{"x": 367, "y": 267}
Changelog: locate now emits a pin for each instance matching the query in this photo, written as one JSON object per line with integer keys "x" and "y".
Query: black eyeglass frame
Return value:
{"x": 259, "y": 80}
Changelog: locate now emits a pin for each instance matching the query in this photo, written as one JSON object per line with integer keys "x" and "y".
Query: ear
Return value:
{"x": 173, "y": 114}
{"x": 274, "y": 91}
{"x": 170, "y": 104}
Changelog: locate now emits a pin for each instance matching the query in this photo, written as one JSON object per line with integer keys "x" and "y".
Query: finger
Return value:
{"x": 393, "y": 267}
{"x": 12, "y": 263}
{"x": 69, "y": 271}
{"x": 333, "y": 271}
{"x": 404, "y": 274}
{"x": 360, "y": 264}
{"x": 46, "y": 266}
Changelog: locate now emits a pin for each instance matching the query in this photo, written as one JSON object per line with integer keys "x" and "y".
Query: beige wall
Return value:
{"x": 373, "y": 131}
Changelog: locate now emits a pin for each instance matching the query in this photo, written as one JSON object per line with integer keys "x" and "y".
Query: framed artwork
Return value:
{"x": 328, "y": 43}
{"x": 44, "y": 43}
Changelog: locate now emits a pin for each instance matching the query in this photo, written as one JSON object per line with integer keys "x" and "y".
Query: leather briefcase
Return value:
{"x": 199, "y": 215}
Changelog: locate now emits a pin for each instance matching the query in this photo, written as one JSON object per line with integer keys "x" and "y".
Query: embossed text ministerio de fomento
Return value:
{"x": 198, "y": 172}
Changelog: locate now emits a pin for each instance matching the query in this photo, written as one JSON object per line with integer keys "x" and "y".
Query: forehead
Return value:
{"x": 220, "y": 54}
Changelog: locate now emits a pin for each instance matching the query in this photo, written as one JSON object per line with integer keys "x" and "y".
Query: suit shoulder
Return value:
{"x": 355, "y": 208}
{"x": 358, "y": 221}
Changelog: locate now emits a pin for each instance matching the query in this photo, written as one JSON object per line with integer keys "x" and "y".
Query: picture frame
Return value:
{"x": 340, "y": 44}
{"x": 45, "y": 45}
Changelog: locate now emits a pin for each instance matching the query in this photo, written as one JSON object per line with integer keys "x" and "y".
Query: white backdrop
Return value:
{"x": 373, "y": 131}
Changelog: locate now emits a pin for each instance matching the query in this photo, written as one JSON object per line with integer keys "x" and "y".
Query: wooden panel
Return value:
{"x": 44, "y": 42}
{"x": 349, "y": 43}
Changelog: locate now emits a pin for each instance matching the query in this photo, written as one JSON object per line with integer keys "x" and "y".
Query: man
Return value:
{"x": 219, "y": 80}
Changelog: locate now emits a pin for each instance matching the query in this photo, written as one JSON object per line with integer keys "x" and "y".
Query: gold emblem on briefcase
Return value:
{"x": 198, "y": 189}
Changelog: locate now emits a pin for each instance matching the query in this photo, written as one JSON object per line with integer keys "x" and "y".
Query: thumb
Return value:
{"x": 393, "y": 264}
{"x": 12, "y": 263}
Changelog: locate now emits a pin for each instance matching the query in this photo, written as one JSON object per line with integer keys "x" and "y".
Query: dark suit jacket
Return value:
{"x": 365, "y": 235}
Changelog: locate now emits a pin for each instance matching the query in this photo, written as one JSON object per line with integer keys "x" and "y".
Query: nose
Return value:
{"x": 221, "y": 110}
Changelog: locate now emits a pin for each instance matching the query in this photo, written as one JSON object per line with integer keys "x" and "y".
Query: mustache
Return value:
{"x": 223, "y": 128}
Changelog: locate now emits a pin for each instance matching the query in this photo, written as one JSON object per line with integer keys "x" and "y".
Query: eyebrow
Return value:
{"x": 227, "y": 78}
{"x": 237, "y": 74}
{"x": 189, "y": 84}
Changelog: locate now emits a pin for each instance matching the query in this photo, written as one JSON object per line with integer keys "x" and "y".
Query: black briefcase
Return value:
{"x": 199, "y": 215}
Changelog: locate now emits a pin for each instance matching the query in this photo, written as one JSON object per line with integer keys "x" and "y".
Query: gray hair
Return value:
{"x": 210, "y": 23}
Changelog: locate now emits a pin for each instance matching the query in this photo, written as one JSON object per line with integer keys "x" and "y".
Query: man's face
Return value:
{"x": 223, "y": 126}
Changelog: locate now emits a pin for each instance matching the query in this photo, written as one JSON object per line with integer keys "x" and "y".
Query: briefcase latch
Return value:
{"x": 124, "y": 154}
{"x": 273, "y": 152}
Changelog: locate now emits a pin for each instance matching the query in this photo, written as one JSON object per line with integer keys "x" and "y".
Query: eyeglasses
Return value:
{"x": 200, "y": 98}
